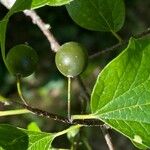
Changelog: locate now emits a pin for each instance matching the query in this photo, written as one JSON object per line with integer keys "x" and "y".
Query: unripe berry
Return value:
{"x": 71, "y": 59}
{"x": 21, "y": 60}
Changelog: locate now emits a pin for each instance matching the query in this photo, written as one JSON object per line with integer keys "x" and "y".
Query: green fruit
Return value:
{"x": 21, "y": 60}
{"x": 71, "y": 59}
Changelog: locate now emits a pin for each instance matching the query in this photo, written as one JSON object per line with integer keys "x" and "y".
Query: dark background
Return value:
{"x": 47, "y": 88}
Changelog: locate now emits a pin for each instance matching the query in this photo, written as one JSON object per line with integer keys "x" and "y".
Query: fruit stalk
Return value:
{"x": 69, "y": 98}
{"x": 19, "y": 90}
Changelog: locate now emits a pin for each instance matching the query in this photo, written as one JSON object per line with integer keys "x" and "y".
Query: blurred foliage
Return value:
{"x": 47, "y": 88}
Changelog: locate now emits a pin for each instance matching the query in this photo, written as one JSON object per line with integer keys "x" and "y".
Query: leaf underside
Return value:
{"x": 121, "y": 96}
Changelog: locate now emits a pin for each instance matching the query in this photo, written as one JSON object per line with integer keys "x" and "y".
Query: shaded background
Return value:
{"x": 47, "y": 88}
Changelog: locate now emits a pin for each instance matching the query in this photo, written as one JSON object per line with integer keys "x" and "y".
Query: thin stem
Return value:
{"x": 44, "y": 28}
{"x": 117, "y": 36}
{"x": 107, "y": 137}
{"x": 67, "y": 130}
{"x": 69, "y": 98}
{"x": 14, "y": 112}
{"x": 107, "y": 50}
{"x": 83, "y": 117}
{"x": 142, "y": 34}
{"x": 19, "y": 90}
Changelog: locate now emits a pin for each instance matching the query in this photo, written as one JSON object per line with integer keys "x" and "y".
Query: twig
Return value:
{"x": 39, "y": 22}
{"x": 107, "y": 137}
{"x": 114, "y": 47}
{"x": 142, "y": 34}
{"x": 44, "y": 28}
{"x": 109, "y": 49}
{"x": 42, "y": 113}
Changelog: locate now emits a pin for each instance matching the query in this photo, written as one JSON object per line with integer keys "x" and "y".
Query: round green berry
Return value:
{"x": 21, "y": 60}
{"x": 71, "y": 59}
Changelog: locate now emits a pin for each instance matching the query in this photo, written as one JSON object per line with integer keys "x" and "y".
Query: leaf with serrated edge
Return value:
{"x": 121, "y": 96}
{"x": 98, "y": 15}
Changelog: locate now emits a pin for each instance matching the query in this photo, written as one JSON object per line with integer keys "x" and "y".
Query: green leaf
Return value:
{"x": 98, "y": 15}
{"x": 40, "y": 3}
{"x": 12, "y": 138}
{"x": 121, "y": 96}
{"x": 33, "y": 127}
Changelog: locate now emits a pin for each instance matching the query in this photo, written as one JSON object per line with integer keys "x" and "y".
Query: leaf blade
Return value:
{"x": 121, "y": 96}
{"x": 98, "y": 15}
